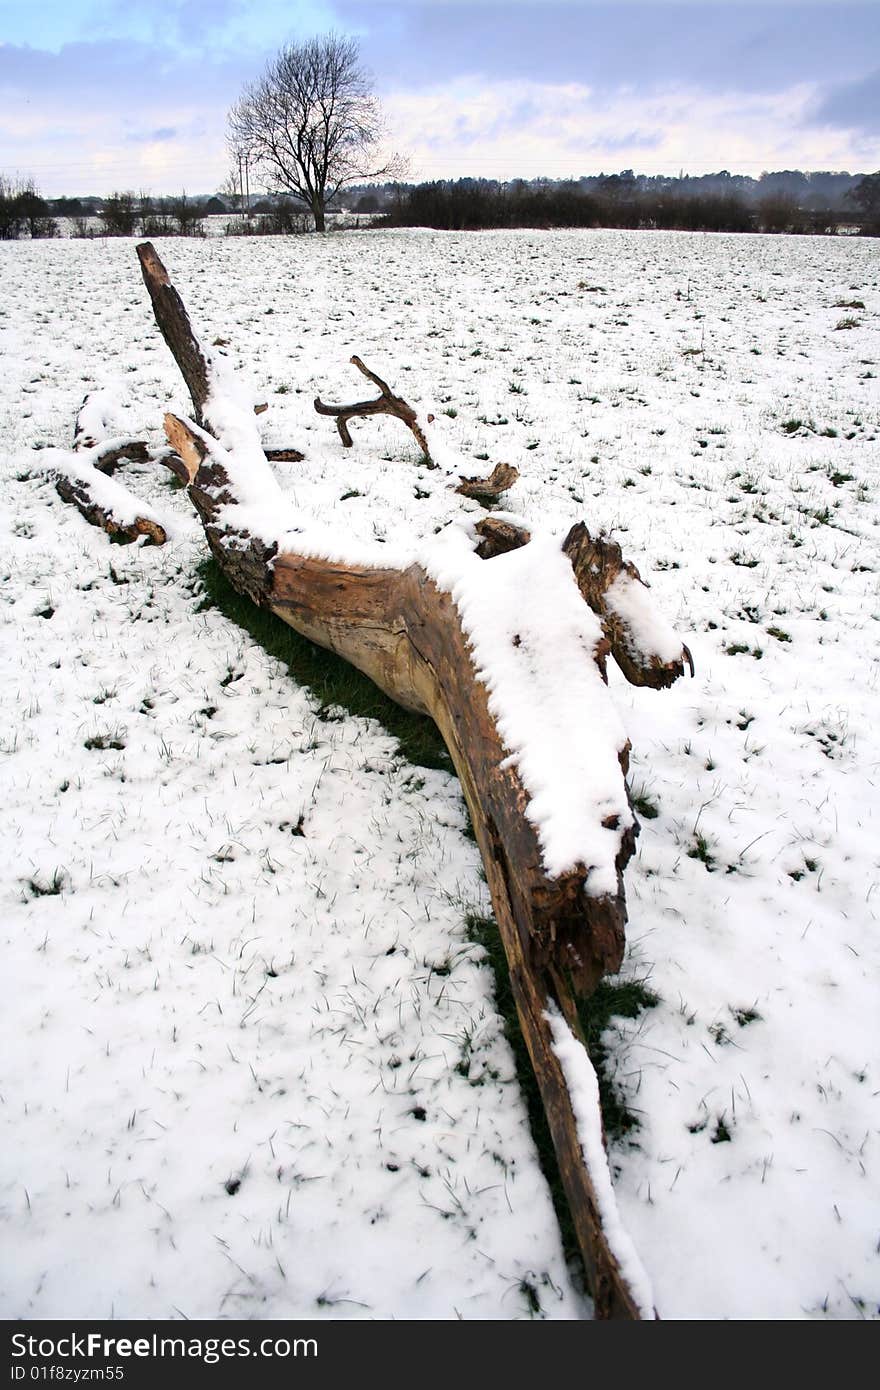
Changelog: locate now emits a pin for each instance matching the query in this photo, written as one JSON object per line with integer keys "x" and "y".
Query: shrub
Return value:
{"x": 119, "y": 214}
{"x": 24, "y": 212}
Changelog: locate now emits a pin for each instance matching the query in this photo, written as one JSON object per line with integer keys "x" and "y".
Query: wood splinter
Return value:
{"x": 384, "y": 404}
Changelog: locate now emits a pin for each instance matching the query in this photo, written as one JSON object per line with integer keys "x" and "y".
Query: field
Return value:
{"x": 254, "y": 1064}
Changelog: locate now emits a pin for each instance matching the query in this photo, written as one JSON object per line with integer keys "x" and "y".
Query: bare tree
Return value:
{"x": 311, "y": 123}
{"x": 230, "y": 189}
{"x": 189, "y": 216}
{"x": 866, "y": 197}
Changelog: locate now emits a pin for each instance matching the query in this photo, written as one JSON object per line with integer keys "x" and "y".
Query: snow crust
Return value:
{"x": 533, "y": 641}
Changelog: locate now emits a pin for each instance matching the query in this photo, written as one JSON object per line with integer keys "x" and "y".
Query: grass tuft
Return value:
{"x": 644, "y": 803}
{"x": 702, "y": 850}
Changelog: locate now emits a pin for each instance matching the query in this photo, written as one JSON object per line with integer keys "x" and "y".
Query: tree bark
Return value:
{"x": 488, "y": 490}
{"x": 77, "y": 491}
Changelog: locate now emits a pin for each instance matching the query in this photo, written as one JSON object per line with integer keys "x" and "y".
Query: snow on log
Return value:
{"x": 583, "y": 1087}
{"x": 501, "y": 636}
{"x": 641, "y": 641}
{"x": 96, "y": 431}
{"x": 82, "y": 474}
{"x": 100, "y": 500}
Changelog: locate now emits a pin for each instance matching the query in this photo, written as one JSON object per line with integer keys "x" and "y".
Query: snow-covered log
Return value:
{"x": 95, "y": 431}
{"x": 82, "y": 474}
{"x": 501, "y": 636}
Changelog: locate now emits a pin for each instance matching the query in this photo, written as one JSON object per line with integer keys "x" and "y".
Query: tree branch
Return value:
{"x": 385, "y": 404}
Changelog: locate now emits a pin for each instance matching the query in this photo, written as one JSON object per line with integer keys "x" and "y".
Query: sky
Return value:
{"x": 97, "y": 95}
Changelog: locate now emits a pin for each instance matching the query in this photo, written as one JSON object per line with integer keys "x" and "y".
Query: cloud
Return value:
{"x": 744, "y": 47}
{"x": 112, "y": 113}
{"x": 149, "y": 137}
{"x": 510, "y": 128}
{"x": 193, "y": 27}
{"x": 851, "y": 105}
{"x": 69, "y": 119}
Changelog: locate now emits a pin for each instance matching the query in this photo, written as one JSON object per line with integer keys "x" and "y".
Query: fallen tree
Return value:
{"x": 501, "y": 635}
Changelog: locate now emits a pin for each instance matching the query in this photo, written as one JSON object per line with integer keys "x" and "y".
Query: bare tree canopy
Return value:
{"x": 311, "y": 123}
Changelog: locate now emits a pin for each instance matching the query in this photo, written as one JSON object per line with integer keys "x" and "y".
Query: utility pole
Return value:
{"x": 244, "y": 184}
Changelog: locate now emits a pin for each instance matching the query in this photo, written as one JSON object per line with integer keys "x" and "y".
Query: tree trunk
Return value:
{"x": 408, "y": 634}
{"x": 319, "y": 216}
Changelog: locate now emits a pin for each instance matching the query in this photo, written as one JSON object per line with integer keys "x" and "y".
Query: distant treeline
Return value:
{"x": 23, "y": 212}
{"x": 784, "y": 201}
{"x": 627, "y": 202}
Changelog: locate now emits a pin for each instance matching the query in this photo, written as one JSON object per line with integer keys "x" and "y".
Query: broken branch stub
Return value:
{"x": 502, "y": 477}
{"x": 80, "y": 494}
{"x": 386, "y": 403}
{"x": 643, "y": 647}
{"x": 497, "y": 537}
{"x": 174, "y": 325}
{"x": 284, "y": 455}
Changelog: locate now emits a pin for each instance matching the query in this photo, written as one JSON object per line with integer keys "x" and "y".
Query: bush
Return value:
{"x": 477, "y": 203}
{"x": 119, "y": 214}
{"x": 285, "y": 219}
{"x": 24, "y": 212}
{"x": 187, "y": 216}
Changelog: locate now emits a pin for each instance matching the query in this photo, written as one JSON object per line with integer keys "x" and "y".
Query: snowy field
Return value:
{"x": 251, "y": 1060}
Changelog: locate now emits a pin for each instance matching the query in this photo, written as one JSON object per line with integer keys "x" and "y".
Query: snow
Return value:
{"x": 198, "y": 996}
{"x": 644, "y": 626}
{"x": 533, "y": 640}
{"x": 100, "y": 413}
